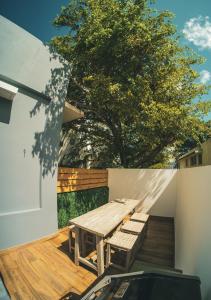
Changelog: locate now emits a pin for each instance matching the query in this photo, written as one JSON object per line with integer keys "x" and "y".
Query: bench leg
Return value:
{"x": 108, "y": 256}
{"x": 128, "y": 257}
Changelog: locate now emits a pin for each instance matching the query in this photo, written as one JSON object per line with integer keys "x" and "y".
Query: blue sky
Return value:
{"x": 35, "y": 16}
{"x": 193, "y": 21}
{"x": 192, "y": 18}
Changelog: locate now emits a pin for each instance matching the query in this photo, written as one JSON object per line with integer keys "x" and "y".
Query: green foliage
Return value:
{"x": 62, "y": 217}
{"x": 132, "y": 79}
{"x": 74, "y": 204}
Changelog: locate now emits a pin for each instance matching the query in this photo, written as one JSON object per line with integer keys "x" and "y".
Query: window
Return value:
{"x": 187, "y": 162}
{"x": 7, "y": 92}
{"x": 193, "y": 161}
{"x": 200, "y": 159}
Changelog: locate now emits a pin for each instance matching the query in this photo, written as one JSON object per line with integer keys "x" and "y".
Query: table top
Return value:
{"x": 102, "y": 220}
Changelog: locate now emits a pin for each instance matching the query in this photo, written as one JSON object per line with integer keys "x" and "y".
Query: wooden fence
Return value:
{"x": 72, "y": 179}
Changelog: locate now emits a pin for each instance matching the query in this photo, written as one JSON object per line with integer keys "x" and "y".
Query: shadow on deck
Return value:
{"x": 44, "y": 269}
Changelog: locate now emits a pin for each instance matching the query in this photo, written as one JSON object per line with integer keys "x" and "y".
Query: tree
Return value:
{"x": 132, "y": 79}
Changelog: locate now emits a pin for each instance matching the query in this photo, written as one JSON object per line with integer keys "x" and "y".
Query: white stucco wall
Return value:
{"x": 183, "y": 194}
{"x": 156, "y": 187}
{"x": 29, "y": 137}
{"x": 193, "y": 224}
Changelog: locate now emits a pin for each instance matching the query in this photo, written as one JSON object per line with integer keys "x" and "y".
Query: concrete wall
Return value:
{"x": 29, "y": 135}
{"x": 156, "y": 187}
{"x": 192, "y": 224}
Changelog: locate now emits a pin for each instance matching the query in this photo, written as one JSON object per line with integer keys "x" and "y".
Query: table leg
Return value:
{"x": 83, "y": 243}
{"x": 77, "y": 242}
{"x": 100, "y": 255}
{"x": 70, "y": 240}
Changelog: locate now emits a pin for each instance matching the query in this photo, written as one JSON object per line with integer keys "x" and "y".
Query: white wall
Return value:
{"x": 156, "y": 187}
{"x": 193, "y": 225}
{"x": 184, "y": 194}
{"x": 29, "y": 137}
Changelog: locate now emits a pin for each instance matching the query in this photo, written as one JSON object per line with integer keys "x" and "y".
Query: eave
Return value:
{"x": 71, "y": 113}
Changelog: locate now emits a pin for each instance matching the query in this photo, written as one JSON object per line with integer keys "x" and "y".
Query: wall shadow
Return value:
{"x": 47, "y": 142}
{"x": 161, "y": 187}
{"x": 151, "y": 186}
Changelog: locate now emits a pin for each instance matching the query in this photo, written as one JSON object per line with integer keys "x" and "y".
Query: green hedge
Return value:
{"x": 74, "y": 204}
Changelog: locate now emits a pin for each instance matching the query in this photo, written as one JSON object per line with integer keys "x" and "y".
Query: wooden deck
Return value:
{"x": 44, "y": 270}
{"x": 158, "y": 245}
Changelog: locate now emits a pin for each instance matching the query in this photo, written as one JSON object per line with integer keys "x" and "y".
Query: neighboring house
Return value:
{"x": 199, "y": 156}
{"x": 33, "y": 84}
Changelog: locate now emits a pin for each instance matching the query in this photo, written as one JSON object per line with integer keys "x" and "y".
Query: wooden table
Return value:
{"x": 100, "y": 222}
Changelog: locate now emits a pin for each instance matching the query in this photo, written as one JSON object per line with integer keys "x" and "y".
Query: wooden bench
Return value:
{"x": 121, "y": 241}
{"x": 133, "y": 227}
{"x": 140, "y": 217}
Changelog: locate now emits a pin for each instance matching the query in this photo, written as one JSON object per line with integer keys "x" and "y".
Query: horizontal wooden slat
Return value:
{"x": 82, "y": 176}
{"x": 71, "y": 188}
{"x": 89, "y": 264}
{"x": 75, "y": 179}
{"x": 81, "y": 181}
{"x": 81, "y": 171}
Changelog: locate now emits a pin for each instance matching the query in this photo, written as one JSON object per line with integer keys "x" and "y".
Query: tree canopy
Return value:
{"x": 133, "y": 80}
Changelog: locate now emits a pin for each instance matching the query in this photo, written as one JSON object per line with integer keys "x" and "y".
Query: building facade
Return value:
{"x": 199, "y": 156}
{"x": 33, "y": 85}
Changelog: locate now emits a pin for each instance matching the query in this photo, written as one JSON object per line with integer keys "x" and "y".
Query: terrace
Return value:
{"x": 34, "y": 260}
{"x": 44, "y": 269}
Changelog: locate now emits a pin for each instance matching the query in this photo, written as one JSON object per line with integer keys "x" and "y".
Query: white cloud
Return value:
{"x": 198, "y": 31}
{"x": 205, "y": 76}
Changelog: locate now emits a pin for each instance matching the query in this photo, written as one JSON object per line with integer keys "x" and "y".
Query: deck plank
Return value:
{"x": 43, "y": 270}
{"x": 158, "y": 244}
